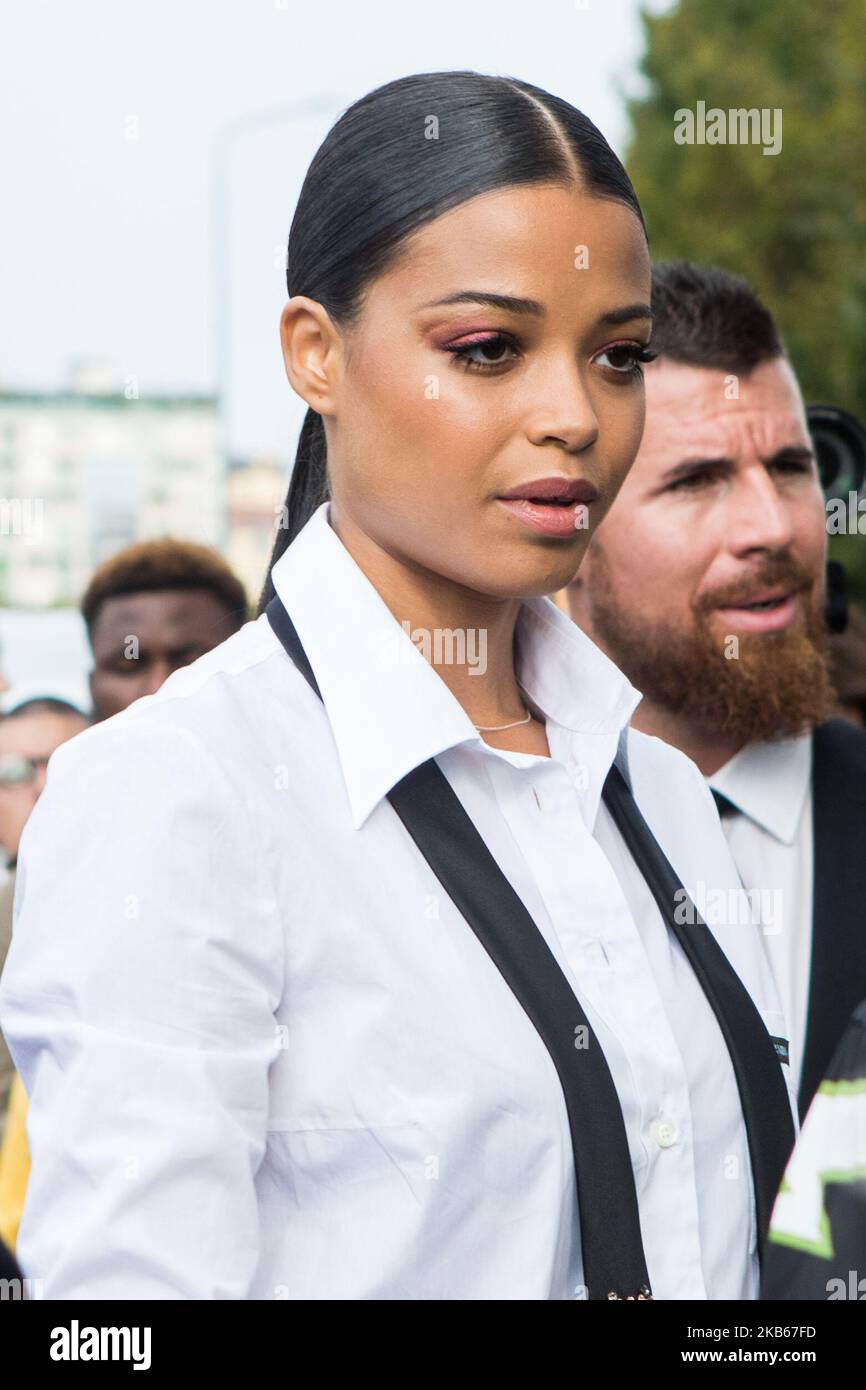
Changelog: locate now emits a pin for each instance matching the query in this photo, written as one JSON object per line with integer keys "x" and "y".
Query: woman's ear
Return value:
{"x": 311, "y": 352}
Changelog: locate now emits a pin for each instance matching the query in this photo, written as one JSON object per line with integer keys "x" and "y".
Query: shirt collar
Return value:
{"x": 768, "y": 782}
{"x": 388, "y": 709}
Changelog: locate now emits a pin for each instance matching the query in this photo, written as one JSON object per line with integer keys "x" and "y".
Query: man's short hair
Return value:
{"x": 704, "y": 317}
{"x": 148, "y": 566}
{"x": 46, "y": 704}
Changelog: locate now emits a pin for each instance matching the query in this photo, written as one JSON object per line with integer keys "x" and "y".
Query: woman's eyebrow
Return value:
{"x": 508, "y": 303}
{"x": 631, "y": 311}
{"x": 512, "y": 304}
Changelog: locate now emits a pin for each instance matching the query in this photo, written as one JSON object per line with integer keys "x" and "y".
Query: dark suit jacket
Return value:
{"x": 838, "y": 974}
{"x": 798, "y": 1271}
{"x": 8, "y": 1264}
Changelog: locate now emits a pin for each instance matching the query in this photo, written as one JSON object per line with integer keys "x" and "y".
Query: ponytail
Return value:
{"x": 308, "y": 489}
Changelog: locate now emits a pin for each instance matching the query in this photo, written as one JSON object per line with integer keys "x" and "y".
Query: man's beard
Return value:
{"x": 776, "y": 687}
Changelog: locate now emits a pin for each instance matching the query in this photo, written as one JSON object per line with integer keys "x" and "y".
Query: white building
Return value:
{"x": 85, "y": 471}
{"x": 256, "y": 493}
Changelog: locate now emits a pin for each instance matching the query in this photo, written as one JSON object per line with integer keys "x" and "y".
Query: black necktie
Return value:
{"x": 614, "y": 1263}
{"x": 760, "y": 1081}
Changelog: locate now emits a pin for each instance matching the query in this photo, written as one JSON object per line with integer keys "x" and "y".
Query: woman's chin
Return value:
{"x": 528, "y": 578}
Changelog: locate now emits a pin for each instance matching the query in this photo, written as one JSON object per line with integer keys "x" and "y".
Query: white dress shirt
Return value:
{"x": 267, "y": 1057}
{"x": 770, "y": 839}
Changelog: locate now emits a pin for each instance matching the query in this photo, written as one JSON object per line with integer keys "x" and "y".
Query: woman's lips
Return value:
{"x": 770, "y": 619}
{"x": 555, "y": 506}
{"x": 552, "y": 519}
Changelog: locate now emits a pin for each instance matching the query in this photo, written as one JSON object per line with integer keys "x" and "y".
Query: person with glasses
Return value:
{"x": 29, "y": 734}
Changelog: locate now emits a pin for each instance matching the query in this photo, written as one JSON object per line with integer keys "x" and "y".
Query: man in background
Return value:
{"x": 152, "y": 608}
{"x": 707, "y": 588}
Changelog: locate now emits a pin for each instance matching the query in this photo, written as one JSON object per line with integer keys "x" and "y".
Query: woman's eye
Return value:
{"x": 626, "y": 358}
{"x": 491, "y": 353}
{"x": 486, "y": 354}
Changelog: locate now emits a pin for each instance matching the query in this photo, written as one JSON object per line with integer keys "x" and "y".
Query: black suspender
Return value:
{"x": 613, "y": 1256}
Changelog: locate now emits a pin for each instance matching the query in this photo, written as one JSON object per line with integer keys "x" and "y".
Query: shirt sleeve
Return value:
{"x": 139, "y": 1000}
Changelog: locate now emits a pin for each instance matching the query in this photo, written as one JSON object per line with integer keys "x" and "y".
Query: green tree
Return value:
{"x": 794, "y": 223}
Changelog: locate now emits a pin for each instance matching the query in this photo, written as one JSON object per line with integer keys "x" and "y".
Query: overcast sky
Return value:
{"x": 111, "y": 113}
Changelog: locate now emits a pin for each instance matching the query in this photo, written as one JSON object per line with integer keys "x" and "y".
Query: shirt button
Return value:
{"x": 664, "y": 1131}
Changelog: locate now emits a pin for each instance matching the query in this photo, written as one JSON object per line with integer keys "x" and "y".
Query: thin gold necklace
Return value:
{"x": 497, "y": 728}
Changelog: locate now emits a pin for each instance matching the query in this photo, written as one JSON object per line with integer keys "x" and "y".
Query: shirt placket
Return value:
{"x": 547, "y": 806}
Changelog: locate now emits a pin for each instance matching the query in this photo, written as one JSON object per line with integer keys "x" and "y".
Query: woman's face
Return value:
{"x": 434, "y": 411}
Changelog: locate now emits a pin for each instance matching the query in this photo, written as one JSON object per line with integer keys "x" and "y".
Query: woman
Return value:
{"x": 278, "y": 1047}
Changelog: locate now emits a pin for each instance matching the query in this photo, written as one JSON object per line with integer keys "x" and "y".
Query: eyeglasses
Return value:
{"x": 15, "y": 769}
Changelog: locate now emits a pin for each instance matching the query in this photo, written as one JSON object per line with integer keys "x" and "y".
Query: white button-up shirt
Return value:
{"x": 771, "y": 840}
{"x": 268, "y": 1058}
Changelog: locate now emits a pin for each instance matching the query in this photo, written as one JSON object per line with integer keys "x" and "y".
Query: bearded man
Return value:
{"x": 706, "y": 585}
